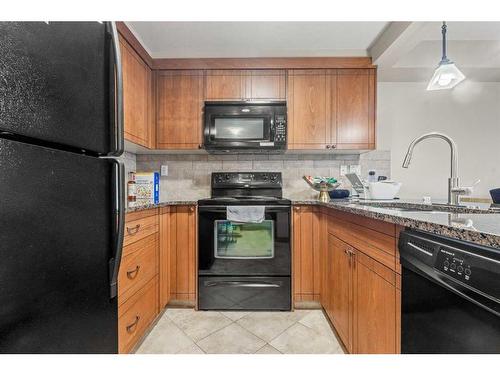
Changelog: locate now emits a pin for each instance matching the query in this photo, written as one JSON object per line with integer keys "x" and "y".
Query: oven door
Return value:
{"x": 238, "y": 126}
{"x": 244, "y": 249}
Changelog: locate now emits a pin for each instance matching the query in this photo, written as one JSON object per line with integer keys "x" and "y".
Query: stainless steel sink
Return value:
{"x": 419, "y": 207}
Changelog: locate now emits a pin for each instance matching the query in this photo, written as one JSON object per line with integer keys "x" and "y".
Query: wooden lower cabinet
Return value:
{"x": 360, "y": 295}
{"x": 341, "y": 290}
{"x": 138, "y": 289}
{"x": 178, "y": 254}
{"x": 375, "y": 309}
{"x": 306, "y": 245}
{"x": 136, "y": 315}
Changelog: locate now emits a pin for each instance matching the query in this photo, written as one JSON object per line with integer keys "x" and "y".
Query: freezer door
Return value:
{"x": 57, "y": 83}
{"x": 57, "y": 226}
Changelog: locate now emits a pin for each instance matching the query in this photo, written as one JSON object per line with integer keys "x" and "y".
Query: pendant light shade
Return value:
{"x": 446, "y": 75}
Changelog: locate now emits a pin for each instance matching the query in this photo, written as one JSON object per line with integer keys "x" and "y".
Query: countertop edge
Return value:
{"x": 476, "y": 236}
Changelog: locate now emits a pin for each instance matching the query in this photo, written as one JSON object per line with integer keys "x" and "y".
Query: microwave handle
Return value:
{"x": 212, "y": 132}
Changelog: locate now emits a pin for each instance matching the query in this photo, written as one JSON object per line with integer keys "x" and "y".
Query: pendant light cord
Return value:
{"x": 443, "y": 31}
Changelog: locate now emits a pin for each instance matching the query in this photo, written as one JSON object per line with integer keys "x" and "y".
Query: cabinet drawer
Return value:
{"x": 377, "y": 245}
{"x": 138, "y": 229}
{"x": 135, "y": 315}
{"x": 137, "y": 267}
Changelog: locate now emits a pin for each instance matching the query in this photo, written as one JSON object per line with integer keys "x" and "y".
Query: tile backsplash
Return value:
{"x": 130, "y": 161}
{"x": 189, "y": 174}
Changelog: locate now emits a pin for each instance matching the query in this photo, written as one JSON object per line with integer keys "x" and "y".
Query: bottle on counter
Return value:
{"x": 131, "y": 188}
{"x": 371, "y": 176}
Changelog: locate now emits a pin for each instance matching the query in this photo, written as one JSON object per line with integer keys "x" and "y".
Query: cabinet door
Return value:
{"x": 179, "y": 109}
{"x": 341, "y": 289}
{"x": 306, "y": 246}
{"x": 225, "y": 85}
{"x": 355, "y": 113}
{"x": 308, "y": 109}
{"x": 375, "y": 307}
{"x": 183, "y": 253}
{"x": 165, "y": 256}
{"x": 137, "y": 97}
{"x": 266, "y": 85}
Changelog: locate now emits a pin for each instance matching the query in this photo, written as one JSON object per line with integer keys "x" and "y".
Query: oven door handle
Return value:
{"x": 242, "y": 284}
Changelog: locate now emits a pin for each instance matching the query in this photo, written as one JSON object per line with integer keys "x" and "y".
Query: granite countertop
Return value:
{"x": 481, "y": 228}
{"x": 161, "y": 204}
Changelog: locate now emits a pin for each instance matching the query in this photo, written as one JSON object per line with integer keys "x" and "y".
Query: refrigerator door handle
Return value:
{"x": 117, "y": 99}
{"x": 119, "y": 225}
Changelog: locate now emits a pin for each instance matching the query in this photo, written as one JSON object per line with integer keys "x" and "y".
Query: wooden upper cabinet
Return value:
{"x": 266, "y": 85}
{"x": 245, "y": 85}
{"x": 179, "y": 109}
{"x": 331, "y": 109}
{"x": 225, "y": 85}
{"x": 355, "y": 112}
{"x": 137, "y": 97}
{"x": 308, "y": 109}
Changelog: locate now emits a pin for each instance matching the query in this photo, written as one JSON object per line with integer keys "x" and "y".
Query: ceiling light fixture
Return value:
{"x": 446, "y": 75}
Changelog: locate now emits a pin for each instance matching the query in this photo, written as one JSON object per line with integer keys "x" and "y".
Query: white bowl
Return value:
{"x": 382, "y": 190}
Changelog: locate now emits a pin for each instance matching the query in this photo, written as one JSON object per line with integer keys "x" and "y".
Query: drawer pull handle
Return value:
{"x": 133, "y": 274}
{"x": 131, "y": 328}
{"x": 133, "y": 231}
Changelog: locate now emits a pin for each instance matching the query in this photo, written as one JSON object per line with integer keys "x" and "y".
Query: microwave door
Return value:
{"x": 239, "y": 130}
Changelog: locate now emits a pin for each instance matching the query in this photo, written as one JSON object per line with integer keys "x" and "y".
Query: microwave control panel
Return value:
{"x": 280, "y": 129}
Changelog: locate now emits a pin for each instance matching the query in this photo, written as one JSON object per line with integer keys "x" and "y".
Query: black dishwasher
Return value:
{"x": 450, "y": 295}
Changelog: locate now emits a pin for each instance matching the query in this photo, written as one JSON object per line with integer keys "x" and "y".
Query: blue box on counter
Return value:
{"x": 147, "y": 187}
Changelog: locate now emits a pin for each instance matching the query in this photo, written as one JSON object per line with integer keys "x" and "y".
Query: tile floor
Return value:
{"x": 185, "y": 331}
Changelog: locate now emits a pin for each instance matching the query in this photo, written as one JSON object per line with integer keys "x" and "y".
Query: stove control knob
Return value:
{"x": 468, "y": 271}
{"x": 227, "y": 177}
{"x": 446, "y": 263}
{"x": 460, "y": 269}
{"x": 265, "y": 177}
{"x": 453, "y": 266}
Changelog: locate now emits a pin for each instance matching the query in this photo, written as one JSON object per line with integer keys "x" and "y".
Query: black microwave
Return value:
{"x": 244, "y": 126}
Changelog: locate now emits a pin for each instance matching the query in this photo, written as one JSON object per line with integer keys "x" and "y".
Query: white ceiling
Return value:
{"x": 473, "y": 46}
{"x": 256, "y": 39}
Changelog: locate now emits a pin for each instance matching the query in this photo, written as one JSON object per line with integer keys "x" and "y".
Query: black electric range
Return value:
{"x": 244, "y": 265}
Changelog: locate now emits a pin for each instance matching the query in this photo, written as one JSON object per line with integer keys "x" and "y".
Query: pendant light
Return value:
{"x": 446, "y": 75}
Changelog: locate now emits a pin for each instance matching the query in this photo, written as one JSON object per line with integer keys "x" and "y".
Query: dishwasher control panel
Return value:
{"x": 454, "y": 263}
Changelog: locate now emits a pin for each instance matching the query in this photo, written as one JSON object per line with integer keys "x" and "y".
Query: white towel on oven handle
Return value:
{"x": 246, "y": 214}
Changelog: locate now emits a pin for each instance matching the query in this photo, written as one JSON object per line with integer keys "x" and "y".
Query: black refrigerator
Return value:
{"x": 61, "y": 188}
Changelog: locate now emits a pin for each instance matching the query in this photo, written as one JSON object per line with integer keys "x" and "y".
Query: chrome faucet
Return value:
{"x": 454, "y": 190}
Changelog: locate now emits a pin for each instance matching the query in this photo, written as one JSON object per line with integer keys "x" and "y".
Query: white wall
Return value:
{"x": 470, "y": 114}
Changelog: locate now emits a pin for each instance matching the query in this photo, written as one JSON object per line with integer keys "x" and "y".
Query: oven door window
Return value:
{"x": 234, "y": 240}
{"x": 240, "y": 128}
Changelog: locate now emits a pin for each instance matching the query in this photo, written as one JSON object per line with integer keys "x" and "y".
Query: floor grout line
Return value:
{"x": 210, "y": 334}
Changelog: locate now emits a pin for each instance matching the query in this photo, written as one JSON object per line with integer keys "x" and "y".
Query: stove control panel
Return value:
{"x": 246, "y": 178}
